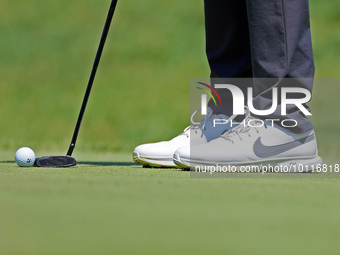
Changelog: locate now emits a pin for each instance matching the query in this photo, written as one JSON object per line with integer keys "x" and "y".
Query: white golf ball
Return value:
{"x": 25, "y": 157}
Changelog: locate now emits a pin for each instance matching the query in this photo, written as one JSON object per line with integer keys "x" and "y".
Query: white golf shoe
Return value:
{"x": 161, "y": 154}
{"x": 254, "y": 143}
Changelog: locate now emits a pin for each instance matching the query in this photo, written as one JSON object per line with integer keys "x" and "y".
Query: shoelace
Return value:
{"x": 195, "y": 125}
{"x": 241, "y": 128}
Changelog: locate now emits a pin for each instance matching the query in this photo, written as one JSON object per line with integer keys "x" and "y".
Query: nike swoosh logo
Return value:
{"x": 262, "y": 150}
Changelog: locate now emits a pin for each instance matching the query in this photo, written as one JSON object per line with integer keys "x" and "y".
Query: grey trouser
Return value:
{"x": 261, "y": 39}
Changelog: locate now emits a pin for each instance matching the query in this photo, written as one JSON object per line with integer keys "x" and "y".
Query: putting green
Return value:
{"x": 108, "y": 205}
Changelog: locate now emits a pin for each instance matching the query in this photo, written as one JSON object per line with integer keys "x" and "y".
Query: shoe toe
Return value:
{"x": 183, "y": 152}
{"x": 154, "y": 154}
{"x": 155, "y": 150}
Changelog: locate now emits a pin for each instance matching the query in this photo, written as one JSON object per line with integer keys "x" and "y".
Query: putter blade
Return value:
{"x": 55, "y": 161}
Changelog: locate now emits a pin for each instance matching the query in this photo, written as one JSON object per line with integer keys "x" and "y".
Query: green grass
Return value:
{"x": 108, "y": 205}
{"x": 152, "y": 51}
{"x": 141, "y": 93}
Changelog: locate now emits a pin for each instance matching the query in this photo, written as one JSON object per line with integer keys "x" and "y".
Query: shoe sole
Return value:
{"x": 149, "y": 161}
{"x": 293, "y": 165}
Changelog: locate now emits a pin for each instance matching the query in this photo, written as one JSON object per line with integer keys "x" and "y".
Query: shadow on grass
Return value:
{"x": 89, "y": 163}
{"x": 107, "y": 163}
{"x": 96, "y": 163}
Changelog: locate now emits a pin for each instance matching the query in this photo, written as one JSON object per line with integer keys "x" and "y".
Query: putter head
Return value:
{"x": 55, "y": 161}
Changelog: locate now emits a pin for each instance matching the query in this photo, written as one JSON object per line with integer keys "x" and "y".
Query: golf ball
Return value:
{"x": 25, "y": 157}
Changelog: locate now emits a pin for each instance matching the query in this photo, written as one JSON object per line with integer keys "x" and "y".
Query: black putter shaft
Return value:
{"x": 93, "y": 75}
